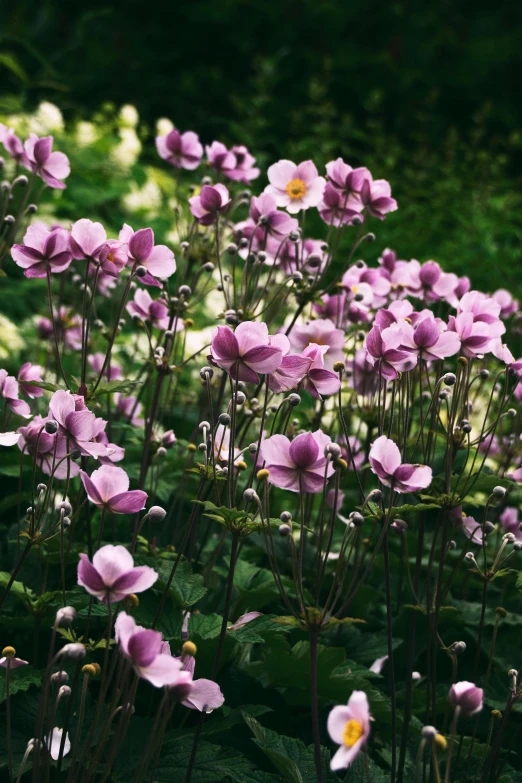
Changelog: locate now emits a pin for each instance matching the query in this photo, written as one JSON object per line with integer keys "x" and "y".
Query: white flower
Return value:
{"x": 146, "y": 199}
{"x": 48, "y": 118}
{"x": 53, "y": 742}
{"x": 86, "y": 133}
{"x": 164, "y": 126}
{"x": 129, "y": 115}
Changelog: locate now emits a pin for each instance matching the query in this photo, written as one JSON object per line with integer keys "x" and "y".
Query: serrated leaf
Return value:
{"x": 21, "y": 680}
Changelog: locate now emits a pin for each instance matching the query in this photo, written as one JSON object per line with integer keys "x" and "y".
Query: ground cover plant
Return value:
{"x": 260, "y": 498}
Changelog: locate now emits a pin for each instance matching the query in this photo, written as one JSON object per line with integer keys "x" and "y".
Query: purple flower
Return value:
{"x": 508, "y": 305}
{"x": 203, "y": 695}
{"x": 148, "y": 309}
{"x": 292, "y": 369}
{"x": 112, "y": 371}
{"x": 346, "y": 180}
{"x": 128, "y": 408}
{"x": 376, "y": 197}
{"x": 320, "y": 332}
{"x": 212, "y": 200}
{"x": 14, "y": 146}
{"x": 295, "y": 187}
{"x": 79, "y": 426}
{"x": 111, "y": 576}
{"x": 385, "y": 462}
{"x": 245, "y": 352}
{"x": 245, "y": 169}
{"x": 220, "y": 158}
{"x": 467, "y": 697}
{"x": 298, "y": 465}
{"x": 46, "y": 450}
{"x": 158, "y": 260}
{"x": 30, "y": 372}
{"x": 484, "y": 309}
{"x": 319, "y": 381}
{"x": 426, "y": 339}
{"x": 334, "y": 209}
{"x": 108, "y": 488}
{"x": 181, "y": 150}
{"x": 474, "y": 336}
{"x": 469, "y": 526}
{"x": 9, "y": 391}
{"x": 143, "y": 648}
{"x": 269, "y": 219}
{"x": 51, "y": 166}
{"x": 87, "y": 239}
{"x": 510, "y": 521}
{"x": 42, "y": 250}
{"x": 168, "y": 439}
{"x": 349, "y": 727}
{"x": 382, "y": 350}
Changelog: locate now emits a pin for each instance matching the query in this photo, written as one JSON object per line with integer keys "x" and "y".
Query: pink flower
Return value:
{"x": 245, "y": 169}
{"x": 111, "y": 576}
{"x": 295, "y": 187}
{"x": 484, "y": 309}
{"x": 12, "y": 662}
{"x": 148, "y": 309}
{"x": 469, "y": 526}
{"x": 320, "y": 332}
{"x": 158, "y": 260}
{"x": 112, "y": 371}
{"x": 108, "y": 488}
{"x": 376, "y": 197}
{"x": 203, "y": 695}
{"x": 87, "y": 239}
{"x": 42, "y": 250}
{"x": 510, "y": 521}
{"x": 349, "y": 727}
{"x": 299, "y": 465}
{"x": 9, "y": 391}
{"x": 334, "y": 209}
{"x": 168, "y": 439}
{"x": 79, "y": 426}
{"x": 128, "y": 408}
{"x": 385, "y": 462}
{"x": 68, "y": 327}
{"x": 426, "y": 339}
{"x": 13, "y": 146}
{"x": 30, "y": 372}
{"x": 292, "y": 368}
{"x": 212, "y": 200}
{"x": 319, "y": 381}
{"x": 243, "y": 620}
{"x": 181, "y": 150}
{"x": 143, "y": 649}
{"x": 383, "y": 352}
{"x": 345, "y": 180}
{"x": 245, "y": 352}
{"x": 508, "y": 305}
{"x": 51, "y": 166}
{"x": 269, "y": 219}
{"x": 46, "y": 450}
{"x": 467, "y": 697}
{"x": 220, "y": 158}
{"x": 474, "y": 336}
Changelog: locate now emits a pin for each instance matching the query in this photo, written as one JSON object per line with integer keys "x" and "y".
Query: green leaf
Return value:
{"x": 52, "y": 387}
{"x": 186, "y": 588}
{"x": 110, "y": 387}
{"x": 21, "y": 680}
{"x": 17, "y": 588}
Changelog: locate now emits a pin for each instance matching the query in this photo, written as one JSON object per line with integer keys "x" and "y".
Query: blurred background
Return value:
{"x": 426, "y": 95}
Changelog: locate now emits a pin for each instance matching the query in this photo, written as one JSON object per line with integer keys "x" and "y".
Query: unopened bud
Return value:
{"x": 65, "y": 616}
{"x": 75, "y": 651}
{"x": 294, "y": 399}
{"x": 429, "y": 733}
{"x": 8, "y": 652}
{"x": 332, "y": 451}
{"x": 284, "y": 530}
{"x": 51, "y": 427}
{"x": 449, "y": 379}
{"x": 498, "y": 492}
{"x": 89, "y": 670}
{"x": 338, "y": 366}
{"x": 250, "y": 495}
{"x": 141, "y": 271}
{"x": 59, "y": 678}
{"x": 224, "y": 418}
{"x": 157, "y": 514}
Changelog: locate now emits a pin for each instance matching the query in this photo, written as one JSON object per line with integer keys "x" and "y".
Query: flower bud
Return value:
{"x": 157, "y": 514}
{"x": 239, "y": 398}
{"x": 457, "y": 648}
{"x": 294, "y": 399}
{"x": 338, "y": 366}
{"x": 501, "y": 611}
{"x": 399, "y": 525}
{"x": 356, "y": 518}
{"x": 41, "y": 487}
{"x": 467, "y": 696}
{"x": 429, "y": 733}
{"x": 185, "y": 290}
{"x": 498, "y": 492}
{"x": 59, "y": 678}
{"x": 375, "y": 496}
{"x": 141, "y": 271}
{"x": 484, "y": 373}
{"x": 51, "y": 427}
{"x": 449, "y": 379}
{"x": 65, "y": 616}
{"x": 250, "y": 495}
{"x": 75, "y": 651}
{"x": 64, "y": 692}
{"x": 206, "y": 373}
{"x": 332, "y": 451}
{"x": 284, "y": 530}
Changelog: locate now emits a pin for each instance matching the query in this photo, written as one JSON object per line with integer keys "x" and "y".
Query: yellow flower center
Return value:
{"x": 296, "y": 188}
{"x": 110, "y": 258}
{"x": 353, "y": 732}
{"x": 355, "y": 288}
